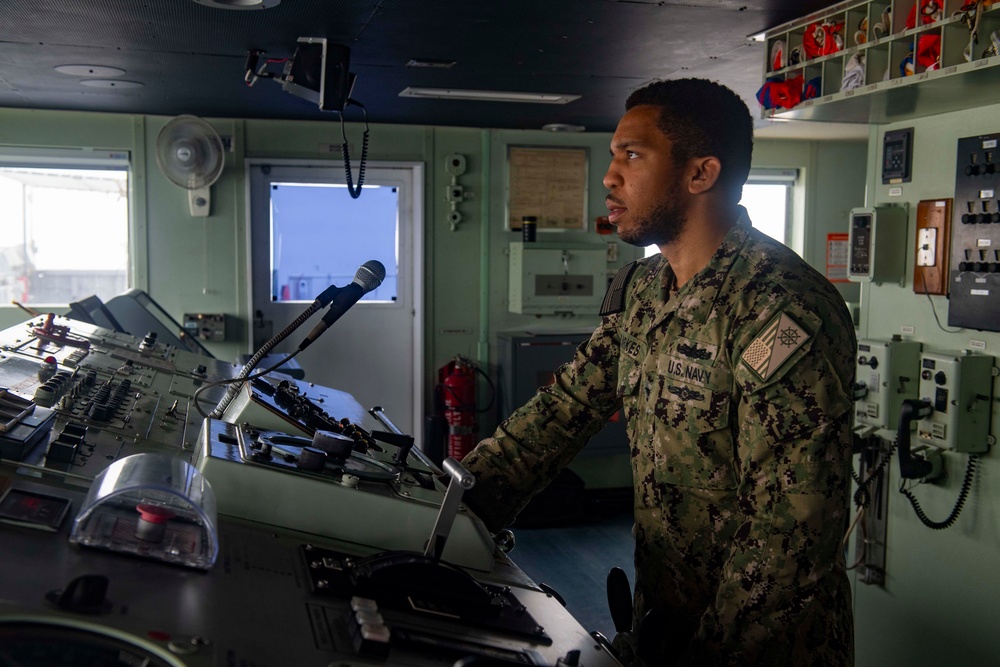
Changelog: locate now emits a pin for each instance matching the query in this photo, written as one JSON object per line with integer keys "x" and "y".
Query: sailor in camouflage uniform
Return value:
{"x": 733, "y": 360}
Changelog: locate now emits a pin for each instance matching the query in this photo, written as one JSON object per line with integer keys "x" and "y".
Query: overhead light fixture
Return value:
{"x": 90, "y": 70}
{"x": 757, "y": 37}
{"x": 111, "y": 83}
{"x": 487, "y": 95}
{"x": 563, "y": 127}
{"x": 428, "y": 62}
{"x": 239, "y": 4}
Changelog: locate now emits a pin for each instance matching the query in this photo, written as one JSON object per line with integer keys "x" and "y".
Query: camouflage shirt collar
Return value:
{"x": 696, "y": 299}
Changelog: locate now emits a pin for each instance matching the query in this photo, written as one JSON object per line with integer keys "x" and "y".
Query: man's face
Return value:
{"x": 645, "y": 197}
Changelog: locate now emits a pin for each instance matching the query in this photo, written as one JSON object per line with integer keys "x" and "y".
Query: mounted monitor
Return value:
{"x": 318, "y": 72}
{"x": 93, "y": 311}
{"x": 139, "y": 314}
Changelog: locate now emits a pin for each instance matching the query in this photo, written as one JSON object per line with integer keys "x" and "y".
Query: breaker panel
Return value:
{"x": 889, "y": 372}
{"x": 959, "y": 388}
{"x": 975, "y": 245}
{"x": 549, "y": 278}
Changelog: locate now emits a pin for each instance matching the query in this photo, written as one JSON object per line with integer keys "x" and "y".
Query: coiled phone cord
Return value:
{"x": 970, "y": 473}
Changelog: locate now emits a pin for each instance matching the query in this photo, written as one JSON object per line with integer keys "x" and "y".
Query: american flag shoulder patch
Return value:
{"x": 768, "y": 351}
{"x": 614, "y": 299}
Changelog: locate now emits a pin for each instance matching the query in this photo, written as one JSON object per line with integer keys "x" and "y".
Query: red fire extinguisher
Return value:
{"x": 457, "y": 383}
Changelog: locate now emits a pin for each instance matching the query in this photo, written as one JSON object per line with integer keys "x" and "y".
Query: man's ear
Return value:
{"x": 703, "y": 174}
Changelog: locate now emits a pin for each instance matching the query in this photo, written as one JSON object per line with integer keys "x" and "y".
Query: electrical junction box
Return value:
{"x": 205, "y": 326}
{"x": 890, "y": 371}
{"x": 877, "y": 245}
{"x": 959, "y": 386}
{"x": 551, "y": 278}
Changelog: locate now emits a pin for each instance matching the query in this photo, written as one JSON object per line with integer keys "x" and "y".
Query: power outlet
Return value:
{"x": 930, "y": 271}
{"x": 927, "y": 246}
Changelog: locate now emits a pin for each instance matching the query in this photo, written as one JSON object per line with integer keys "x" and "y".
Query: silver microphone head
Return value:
{"x": 370, "y": 275}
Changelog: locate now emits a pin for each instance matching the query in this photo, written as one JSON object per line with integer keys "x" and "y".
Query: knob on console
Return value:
{"x": 312, "y": 459}
{"x": 87, "y": 594}
{"x": 337, "y": 447}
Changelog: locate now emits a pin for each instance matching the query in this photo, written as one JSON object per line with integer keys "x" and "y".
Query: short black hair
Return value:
{"x": 703, "y": 118}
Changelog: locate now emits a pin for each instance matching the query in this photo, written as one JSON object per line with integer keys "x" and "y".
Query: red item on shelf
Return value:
{"x": 821, "y": 39}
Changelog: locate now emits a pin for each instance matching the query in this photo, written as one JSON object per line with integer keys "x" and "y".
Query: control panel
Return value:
{"x": 274, "y": 597}
{"x": 206, "y": 326}
{"x": 876, "y": 238}
{"x": 300, "y": 534}
{"x": 975, "y": 246}
{"x": 897, "y": 156}
{"x": 375, "y": 498}
{"x": 94, "y": 396}
{"x": 959, "y": 388}
{"x": 889, "y": 371}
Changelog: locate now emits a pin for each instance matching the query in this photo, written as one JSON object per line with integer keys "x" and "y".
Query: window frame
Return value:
{"x": 789, "y": 177}
{"x": 94, "y": 159}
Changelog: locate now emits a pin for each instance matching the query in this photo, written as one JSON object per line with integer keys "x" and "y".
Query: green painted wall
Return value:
{"x": 939, "y": 594}
{"x": 940, "y": 601}
{"x": 200, "y": 264}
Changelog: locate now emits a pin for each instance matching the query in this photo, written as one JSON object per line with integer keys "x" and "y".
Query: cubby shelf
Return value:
{"x": 962, "y": 77}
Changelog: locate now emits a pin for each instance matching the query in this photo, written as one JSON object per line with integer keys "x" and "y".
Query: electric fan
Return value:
{"x": 189, "y": 152}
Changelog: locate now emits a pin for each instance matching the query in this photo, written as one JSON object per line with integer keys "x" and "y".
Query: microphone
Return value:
{"x": 369, "y": 276}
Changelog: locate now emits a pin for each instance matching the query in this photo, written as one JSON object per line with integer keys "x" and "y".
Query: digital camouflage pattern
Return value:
{"x": 737, "y": 395}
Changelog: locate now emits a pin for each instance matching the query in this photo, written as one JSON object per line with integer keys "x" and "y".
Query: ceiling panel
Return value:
{"x": 191, "y": 58}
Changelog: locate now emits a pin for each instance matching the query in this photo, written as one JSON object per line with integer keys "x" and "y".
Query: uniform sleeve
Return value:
{"x": 781, "y": 586}
{"x": 538, "y": 440}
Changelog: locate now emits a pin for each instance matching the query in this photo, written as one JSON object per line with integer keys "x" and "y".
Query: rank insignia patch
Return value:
{"x": 773, "y": 346}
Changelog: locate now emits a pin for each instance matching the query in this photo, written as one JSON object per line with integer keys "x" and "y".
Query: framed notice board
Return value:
{"x": 547, "y": 183}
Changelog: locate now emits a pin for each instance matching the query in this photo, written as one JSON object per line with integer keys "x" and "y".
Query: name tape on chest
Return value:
{"x": 633, "y": 347}
{"x": 765, "y": 355}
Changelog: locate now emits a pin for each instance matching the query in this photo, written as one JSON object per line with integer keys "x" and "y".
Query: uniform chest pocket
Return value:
{"x": 692, "y": 440}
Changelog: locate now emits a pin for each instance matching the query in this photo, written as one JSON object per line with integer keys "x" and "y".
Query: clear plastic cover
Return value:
{"x": 153, "y": 506}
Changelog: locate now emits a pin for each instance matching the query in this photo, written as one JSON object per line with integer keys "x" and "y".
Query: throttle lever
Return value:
{"x": 393, "y": 437}
{"x": 461, "y": 481}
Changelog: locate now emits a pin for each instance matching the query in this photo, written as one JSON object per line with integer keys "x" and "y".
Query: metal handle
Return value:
{"x": 458, "y": 473}
{"x": 379, "y": 413}
{"x": 461, "y": 480}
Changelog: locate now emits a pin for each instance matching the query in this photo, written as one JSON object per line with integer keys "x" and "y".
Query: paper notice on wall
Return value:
{"x": 836, "y": 257}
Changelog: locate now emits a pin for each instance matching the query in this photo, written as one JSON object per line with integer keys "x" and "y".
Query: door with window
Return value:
{"x": 307, "y": 233}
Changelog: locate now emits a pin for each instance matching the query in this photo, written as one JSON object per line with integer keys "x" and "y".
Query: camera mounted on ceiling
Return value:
{"x": 319, "y": 72}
